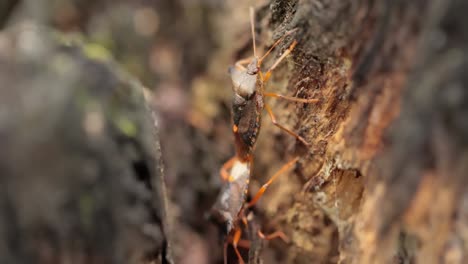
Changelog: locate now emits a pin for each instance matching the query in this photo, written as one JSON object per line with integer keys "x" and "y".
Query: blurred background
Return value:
{"x": 169, "y": 47}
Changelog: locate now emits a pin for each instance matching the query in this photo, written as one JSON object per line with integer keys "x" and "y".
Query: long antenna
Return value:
{"x": 276, "y": 44}
{"x": 252, "y": 26}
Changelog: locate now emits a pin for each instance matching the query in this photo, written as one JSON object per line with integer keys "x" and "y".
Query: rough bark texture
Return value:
{"x": 383, "y": 181}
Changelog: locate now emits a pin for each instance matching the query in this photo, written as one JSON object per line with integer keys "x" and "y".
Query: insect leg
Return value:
{"x": 273, "y": 120}
{"x": 224, "y": 169}
{"x": 267, "y": 74}
{"x": 237, "y": 236}
{"x": 243, "y": 243}
{"x": 290, "y": 98}
{"x": 277, "y": 234}
{"x": 240, "y": 63}
{"x": 240, "y": 243}
{"x": 262, "y": 190}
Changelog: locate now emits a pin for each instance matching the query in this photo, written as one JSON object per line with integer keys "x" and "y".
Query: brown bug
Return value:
{"x": 229, "y": 211}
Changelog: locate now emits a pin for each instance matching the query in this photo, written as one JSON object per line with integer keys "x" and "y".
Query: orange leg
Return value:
{"x": 240, "y": 63}
{"x": 240, "y": 243}
{"x": 235, "y": 241}
{"x": 293, "y": 99}
{"x": 267, "y": 74}
{"x": 243, "y": 243}
{"x": 262, "y": 190}
{"x": 274, "y": 45}
{"x": 224, "y": 169}
{"x": 273, "y": 120}
{"x": 277, "y": 234}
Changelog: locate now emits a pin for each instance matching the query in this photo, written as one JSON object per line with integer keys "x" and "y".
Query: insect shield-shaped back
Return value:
{"x": 246, "y": 109}
{"x": 244, "y": 81}
{"x": 231, "y": 198}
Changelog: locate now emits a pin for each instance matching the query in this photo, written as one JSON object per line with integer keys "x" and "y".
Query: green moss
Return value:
{"x": 96, "y": 52}
{"x": 92, "y": 50}
{"x": 73, "y": 39}
{"x": 104, "y": 39}
{"x": 126, "y": 126}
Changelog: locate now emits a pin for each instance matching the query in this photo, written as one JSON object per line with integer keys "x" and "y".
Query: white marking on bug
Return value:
{"x": 243, "y": 83}
{"x": 225, "y": 197}
{"x": 239, "y": 169}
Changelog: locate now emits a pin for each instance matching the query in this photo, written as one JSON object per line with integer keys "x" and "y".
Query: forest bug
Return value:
{"x": 229, "y": 211}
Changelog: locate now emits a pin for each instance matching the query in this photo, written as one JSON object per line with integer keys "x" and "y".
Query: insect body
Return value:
{"x": 247, "y": 106}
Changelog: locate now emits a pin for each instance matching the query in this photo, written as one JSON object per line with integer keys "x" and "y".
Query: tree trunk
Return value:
{"x": 383, "y": 181}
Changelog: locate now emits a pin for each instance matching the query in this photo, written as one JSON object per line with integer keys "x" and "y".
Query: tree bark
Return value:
{"x": 384, "y": 179}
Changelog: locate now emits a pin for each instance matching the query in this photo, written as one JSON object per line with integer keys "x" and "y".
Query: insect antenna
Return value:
{"x": 252, "y": 27}
{"x": 276, "y": 44}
